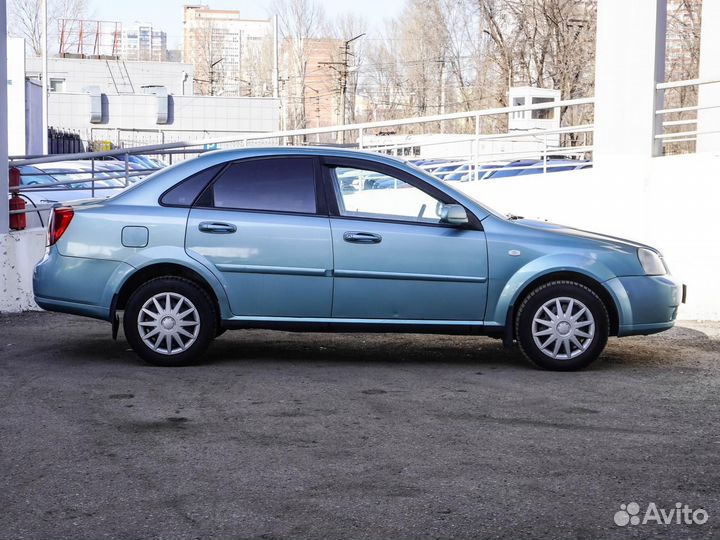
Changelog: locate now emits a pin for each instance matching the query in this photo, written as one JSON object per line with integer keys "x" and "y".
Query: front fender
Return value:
{"x": 177, "y": 255}
{"x": 550, "y": 264}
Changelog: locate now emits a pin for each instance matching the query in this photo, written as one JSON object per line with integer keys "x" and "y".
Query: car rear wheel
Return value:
{"x": 170, "y": 321}
{"x": 562, "y": 326}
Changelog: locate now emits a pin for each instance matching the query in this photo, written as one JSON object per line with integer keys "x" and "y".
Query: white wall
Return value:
{"x": 203, "y": 115}
{"x": 33, "y": 118}
{"x": 20, "y": 251}
{"x": 16, "y": 96}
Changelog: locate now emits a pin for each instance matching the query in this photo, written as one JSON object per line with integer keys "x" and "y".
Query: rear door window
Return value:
{"x": 273, "y": 185}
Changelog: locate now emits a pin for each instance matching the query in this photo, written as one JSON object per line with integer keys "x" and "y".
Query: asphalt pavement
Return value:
{"x": 352, "y": 436}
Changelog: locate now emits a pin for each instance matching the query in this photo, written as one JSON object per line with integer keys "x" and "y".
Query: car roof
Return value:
{"x": 322, "y": 151}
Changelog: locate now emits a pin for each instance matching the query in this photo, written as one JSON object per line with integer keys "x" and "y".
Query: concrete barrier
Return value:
{"x": 19, "y": 252}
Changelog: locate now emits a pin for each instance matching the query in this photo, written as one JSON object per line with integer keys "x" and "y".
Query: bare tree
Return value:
{"x": 406, "y": 64}
{"x": 543, "y": 43}
{"x": 24, "y": 20}
{"x": 203, "y": 48}
{"x": 682, "y": 62}
{"x": 299, "y": 21}
{"x": 257, "y": 69}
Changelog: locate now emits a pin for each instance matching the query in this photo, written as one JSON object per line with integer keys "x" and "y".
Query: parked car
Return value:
{"x": 466, "y": 173}
{"x": 429, "y": 165}
{"x": 382, "y": 181}
{"x": 40, "y": 188}
{"x": 267, "y": 238}
{"x": 523, "y": 167}
{"x": 513, "y": 168}
{"x": 144, "y": 162}
{"x": 447, "y": 168}
{"x": 555, "y": 165}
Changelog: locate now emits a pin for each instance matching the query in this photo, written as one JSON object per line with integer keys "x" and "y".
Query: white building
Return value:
{"x": 155, "y": 117}
{"x": 223, "y": 48}
{"x": 142, "y": 42}
{"x": 112, "y": 76}
{"x": 126, "y": 103}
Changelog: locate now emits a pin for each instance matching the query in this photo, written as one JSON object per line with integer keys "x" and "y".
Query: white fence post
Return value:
{"x": 476, "y": 154}
{"x": 4, "y": 181}
{"x": 630, "y": 61}
{"x": 709, "y": 94}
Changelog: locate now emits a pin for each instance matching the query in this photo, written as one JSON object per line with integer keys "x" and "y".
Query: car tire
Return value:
{"x": 170, "y": 321}
{"x": 562, "y": 326}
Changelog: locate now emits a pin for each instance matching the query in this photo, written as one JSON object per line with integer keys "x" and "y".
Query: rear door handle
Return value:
{"x": 356, "y": 237}
{"x": 214, "y": 227}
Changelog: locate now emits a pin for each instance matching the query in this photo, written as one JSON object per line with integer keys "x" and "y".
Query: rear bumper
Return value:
{"x": 647, "y": 304}
{"x": 77, "y": 285}
{"x": 75, "y": 308}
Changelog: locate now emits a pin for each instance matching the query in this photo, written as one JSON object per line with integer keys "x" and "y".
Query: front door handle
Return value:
{"x": 214, "y": 227}
{"x": 362, "y": 237}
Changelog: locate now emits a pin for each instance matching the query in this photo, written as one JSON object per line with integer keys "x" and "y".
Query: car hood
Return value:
{"x": 609, "y": 241}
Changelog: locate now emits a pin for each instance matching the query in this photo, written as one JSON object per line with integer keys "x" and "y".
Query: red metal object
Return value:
{"x": 14, "y": 180}
{"x": 17, "y": 221}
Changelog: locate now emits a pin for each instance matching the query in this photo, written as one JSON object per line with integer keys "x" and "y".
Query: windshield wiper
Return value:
{"x": 513, "y": 217}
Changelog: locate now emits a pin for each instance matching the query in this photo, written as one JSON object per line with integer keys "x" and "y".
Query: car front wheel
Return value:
{"x": 562, "y": 326}
{"x": 169, "y": 321}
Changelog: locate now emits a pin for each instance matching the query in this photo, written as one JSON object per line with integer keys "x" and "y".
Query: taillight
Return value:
{"x": 59, "y": 221}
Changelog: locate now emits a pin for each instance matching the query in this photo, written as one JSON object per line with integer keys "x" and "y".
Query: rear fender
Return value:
{"x": 177, "y": 255}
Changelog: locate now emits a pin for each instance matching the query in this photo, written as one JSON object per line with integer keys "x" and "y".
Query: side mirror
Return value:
{"x": 453, "y": 214}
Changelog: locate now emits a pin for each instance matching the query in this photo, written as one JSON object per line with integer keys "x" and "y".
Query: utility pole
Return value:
{"x": 442, "y": 94}
{"x": 276, "y": 58}
{"x": 317, "y": 111}
{"x": 343, "y": 70}
{"x": 212, "y": 76}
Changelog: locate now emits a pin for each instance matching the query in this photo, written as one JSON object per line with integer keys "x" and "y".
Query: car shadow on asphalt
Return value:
{"x": 679, "y": 347}
{"x": 363, "y": 349}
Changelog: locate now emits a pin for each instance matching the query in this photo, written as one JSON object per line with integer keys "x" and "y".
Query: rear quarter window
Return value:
{"x": 186, "y": 191}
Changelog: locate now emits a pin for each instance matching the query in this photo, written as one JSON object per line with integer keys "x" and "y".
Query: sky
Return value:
{"x": 167, "y": 14}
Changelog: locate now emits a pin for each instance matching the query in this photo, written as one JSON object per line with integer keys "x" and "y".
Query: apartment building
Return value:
{"x": 231, "y": 56}
{"x": 141, "y": 42}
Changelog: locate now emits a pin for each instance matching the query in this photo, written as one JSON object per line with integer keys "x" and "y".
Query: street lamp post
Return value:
{"x": 44, "y": 46}
{"x": 4, "y": 187}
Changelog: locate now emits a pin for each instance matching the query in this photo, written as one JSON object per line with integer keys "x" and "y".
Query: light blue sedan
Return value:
{"x": 267, "y": 238}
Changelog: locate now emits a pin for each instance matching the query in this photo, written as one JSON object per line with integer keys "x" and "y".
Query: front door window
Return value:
{"x": 368, "y": 194}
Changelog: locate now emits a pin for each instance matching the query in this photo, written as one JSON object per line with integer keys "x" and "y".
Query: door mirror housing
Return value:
{"x": 453, "y": 214}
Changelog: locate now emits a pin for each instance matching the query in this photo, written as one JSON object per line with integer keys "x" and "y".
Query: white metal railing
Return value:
{"x": 665, "y": 137}
{"x": 542, "y": 145}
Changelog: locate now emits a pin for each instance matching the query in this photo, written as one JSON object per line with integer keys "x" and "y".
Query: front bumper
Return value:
{"x": 646, "y": 304}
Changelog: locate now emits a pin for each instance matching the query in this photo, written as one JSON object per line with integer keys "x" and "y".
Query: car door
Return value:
{"x": 262, "y": 225}
{"x": 394, "y": 259}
